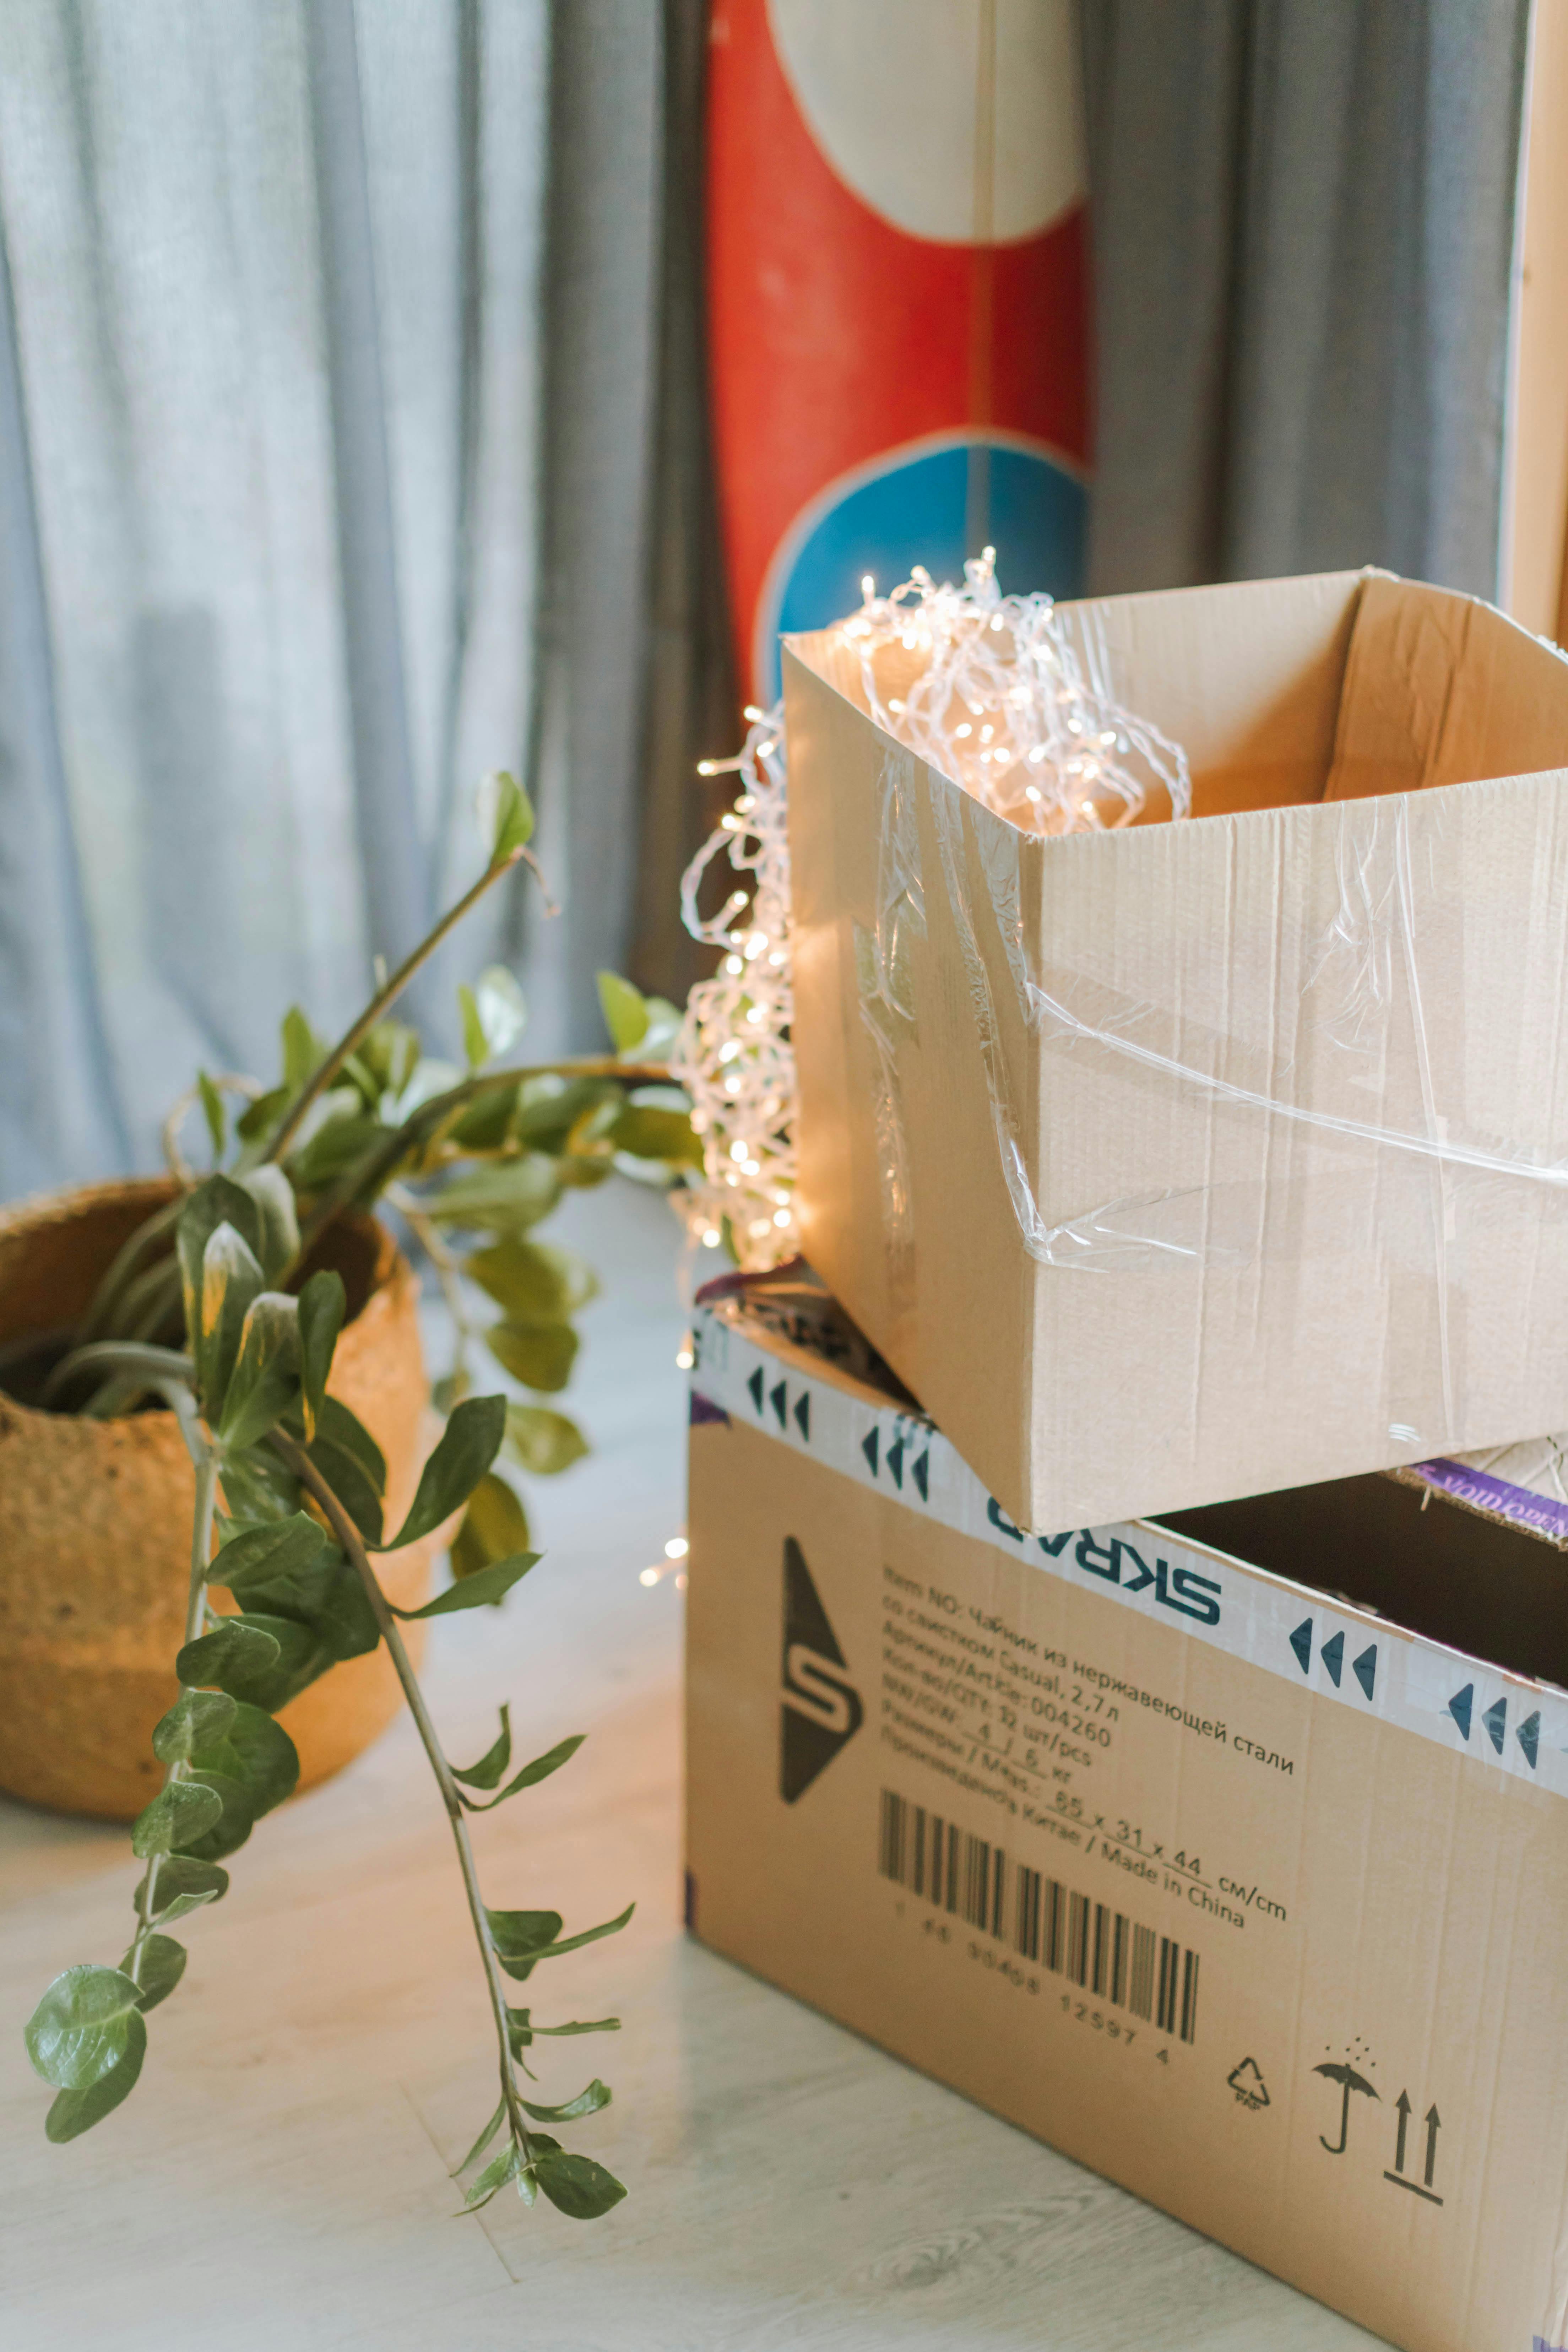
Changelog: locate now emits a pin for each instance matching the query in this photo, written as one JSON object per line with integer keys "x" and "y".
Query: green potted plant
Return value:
{"x": 226, "y": 1318}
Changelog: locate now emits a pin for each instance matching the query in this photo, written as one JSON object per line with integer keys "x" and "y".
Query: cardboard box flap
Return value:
{"x": 1440, "y": 690}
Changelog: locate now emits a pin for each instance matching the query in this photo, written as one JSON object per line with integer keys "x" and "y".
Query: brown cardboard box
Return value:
{"x": 1249, "y": 1897}
{"x": 1198, "y": 1158}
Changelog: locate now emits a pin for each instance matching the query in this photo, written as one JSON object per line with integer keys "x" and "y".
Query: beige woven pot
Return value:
{"x": 95, "y": 1524}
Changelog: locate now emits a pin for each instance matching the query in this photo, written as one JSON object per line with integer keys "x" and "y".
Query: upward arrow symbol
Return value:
{"x": 1404, "y": 2111}
{"x": 1432, "y": 2121}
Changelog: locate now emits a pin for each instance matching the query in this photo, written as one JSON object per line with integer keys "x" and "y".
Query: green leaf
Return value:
{"x": 491, "y": 1764}
{"x": 538, "y": 1355}
{"x": 351, "y": 1462}
{"x": 74, "y": 2112}
{"x": 299, "y": 1654}
{"x": 647, "y": 1133}
{"x": 256, "y": 1752}
{"x": 507, "y": 1198}
{"x": 344, "y": 1619}
{"x": 337, "y": 1146}
{"x": 232, "y": 1650}
{"x": 391, "y": 1056}
{"x": 323, "y": 1303}
{"x": 180, "y": 1813}
{"x": 183, "y": 1886}
{"x": 476, "y": 1044}
{"x": 256, "y": 1485}
{"x": 303, "y": 1051}
{"x": 518, "y": 1934}
{"x": 625, "y": 1012}
{"x": 274, "y": 1197}
{"x": 485, "y": 1124}
{"x": 163, "y": 1965}
{"x": 543, "y": 1441}
{"x": 82, "y": 2026}
{"x": 495, "y": 1526}
{"x": 258, "y": 1118}
{"x": 483, "y": 2140}
{"x": 275, "y": 1556}
{"x": 532, "y": 1774}
{"x": 266, "y": 1377}
{"x": 483, "y": 1589}
{"x": 586, "y": 2103}
{"x": 549, "y": 1106}
{"x": 521, "y": 2024}
{"x": 503, "y": 1012}
{"x": 235, "y": 1820}
{"x": 343, "y": 1429}
{"x": 469, "y": 1444}
{"x": 577, "y": 2185}
{"x": 215, "y": 1201}
{"x": 213, "y": 1111}
{"x": 520, "y": 1963}
{"x": 532, "y": 1282}
{"x": 496, "y": 2174}
{"x": 231, "y": 1281}
{"x": 195, "y": 1715}
{"x": 506, "y": 815}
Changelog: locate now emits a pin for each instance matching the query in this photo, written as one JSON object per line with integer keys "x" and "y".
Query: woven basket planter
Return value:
{"x": 95, "y": 1524}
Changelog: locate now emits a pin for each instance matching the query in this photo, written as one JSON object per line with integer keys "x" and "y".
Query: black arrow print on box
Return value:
{"x": 1432, "y": 2121}
{"x": 1332, "y": 1654}
{"x": 1528, "y": 1738}
{"x": 1460, "y": 1707}
{"x": 1496, "y": 1721}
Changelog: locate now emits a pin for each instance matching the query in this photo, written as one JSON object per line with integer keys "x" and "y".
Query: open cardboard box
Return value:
{"x": 1197, "y": 1158}
{"x": 1224, "y": 1853}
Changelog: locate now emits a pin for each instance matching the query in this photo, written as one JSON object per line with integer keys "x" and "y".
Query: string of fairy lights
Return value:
{"x": 992, "y": 690}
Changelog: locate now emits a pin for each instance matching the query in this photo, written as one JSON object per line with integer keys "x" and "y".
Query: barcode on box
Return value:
{"x": 1148, "y": 1975}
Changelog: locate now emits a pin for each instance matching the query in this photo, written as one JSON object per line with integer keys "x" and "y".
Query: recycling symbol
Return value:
{"x": 1248, "y": 2085}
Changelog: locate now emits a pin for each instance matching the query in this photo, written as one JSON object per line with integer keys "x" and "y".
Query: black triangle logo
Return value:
{"x": 821, "y": 1708}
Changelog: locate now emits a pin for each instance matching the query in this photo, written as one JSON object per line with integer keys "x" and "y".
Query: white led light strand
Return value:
{"x": 733, "y": 1055}
{"x": 989, "y": 689}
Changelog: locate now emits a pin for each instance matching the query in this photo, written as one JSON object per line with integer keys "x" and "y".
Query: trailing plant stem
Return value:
{"x": 205, "y": 1459}
{"x": 385, "y": 998}
{"x": 348, "y": 1535}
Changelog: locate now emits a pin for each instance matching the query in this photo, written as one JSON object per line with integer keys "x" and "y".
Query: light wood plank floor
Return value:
{"x": 278, "y": 2181}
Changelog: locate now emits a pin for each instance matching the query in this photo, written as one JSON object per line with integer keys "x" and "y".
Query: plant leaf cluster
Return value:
{"x": 291, "y": 1495}
{"x": 218, "y": 1307}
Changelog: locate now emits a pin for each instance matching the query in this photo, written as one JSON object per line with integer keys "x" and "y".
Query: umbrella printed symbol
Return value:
{"x": 1349, "y": 2081}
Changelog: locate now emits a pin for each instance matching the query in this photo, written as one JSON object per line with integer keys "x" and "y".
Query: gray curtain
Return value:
{"x": 1303, "y": 222}
{"x": 327, "y": 369}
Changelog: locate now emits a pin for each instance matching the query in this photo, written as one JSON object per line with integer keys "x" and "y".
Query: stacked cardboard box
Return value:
{"x": 1133, "y": 1754}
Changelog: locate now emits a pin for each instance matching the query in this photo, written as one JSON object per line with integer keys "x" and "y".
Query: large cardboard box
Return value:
{"x": 1189, "y": 1160}
{"x": 1248, "y": 1894}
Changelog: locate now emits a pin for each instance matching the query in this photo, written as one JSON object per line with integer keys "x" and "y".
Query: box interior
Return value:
{"x": 1338, "y": 686}
{"x": 1493, "y": 1592}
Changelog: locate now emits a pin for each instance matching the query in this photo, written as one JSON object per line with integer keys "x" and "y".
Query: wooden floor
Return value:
{"x": 278, "y": 2181}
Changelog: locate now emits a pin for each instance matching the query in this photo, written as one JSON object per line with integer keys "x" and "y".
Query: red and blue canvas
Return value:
{"x": 896, "y": 300}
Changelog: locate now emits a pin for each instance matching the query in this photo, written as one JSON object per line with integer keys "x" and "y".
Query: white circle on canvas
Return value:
{"x": 889, "y": 89}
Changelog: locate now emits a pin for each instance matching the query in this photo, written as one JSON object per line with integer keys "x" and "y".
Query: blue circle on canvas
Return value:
{"x": 915, "y": 510}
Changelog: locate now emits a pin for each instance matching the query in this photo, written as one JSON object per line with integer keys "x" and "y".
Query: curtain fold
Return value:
{"x": 328, "y": 360}
{"x": 1303, "y": 227}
